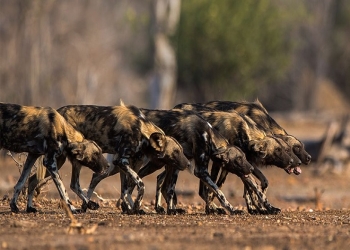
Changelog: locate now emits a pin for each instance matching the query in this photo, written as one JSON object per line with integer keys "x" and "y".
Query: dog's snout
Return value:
{"x": 308, "y": 158}
{"x": 291, "y": 161}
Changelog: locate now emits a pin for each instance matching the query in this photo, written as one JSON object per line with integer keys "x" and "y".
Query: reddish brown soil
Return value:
{"x": 298, "y": 226}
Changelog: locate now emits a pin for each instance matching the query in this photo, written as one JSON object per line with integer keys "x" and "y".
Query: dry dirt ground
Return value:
{"x": 315, "y": 215}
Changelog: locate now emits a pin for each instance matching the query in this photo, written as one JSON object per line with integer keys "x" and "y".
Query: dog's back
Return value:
{"x": 105, "y": 124}
{"x": 28, "y": 128}
{"x": 188, "y": 128}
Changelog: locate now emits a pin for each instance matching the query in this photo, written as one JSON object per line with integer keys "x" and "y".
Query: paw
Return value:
{"x": 93, "y": 205}
{"x": 180, "y": 211}
{"x": 140, "y": 212}
{"x": 124, "y": 208}
{"x": 78, "y": 211}
{"x": 74, "y": 210}
{"x": 237, "y": 212}
{"x": 222, "y": 211}
{"x": 31, "y": 210}
{"x": 253, "y": 211}
{"x": 84, "y": 207}
{"x": 14, "y": 208}
{"x": 171, "y": 212}
{"x": 274, "y": 210}
{"x": 210, "y": 209}
{"x": 160, "y": 210}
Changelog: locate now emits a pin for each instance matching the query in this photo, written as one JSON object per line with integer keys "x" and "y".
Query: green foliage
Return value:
{"x": 340, "y": 49}
{"x": 230, "y": 45}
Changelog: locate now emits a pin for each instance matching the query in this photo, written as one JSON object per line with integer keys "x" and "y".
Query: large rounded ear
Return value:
{"x": 222, "y": 153}
{"x": 158, "y": 141}
{"x": 258, "y": 146}
{"x": 77, "y": 150}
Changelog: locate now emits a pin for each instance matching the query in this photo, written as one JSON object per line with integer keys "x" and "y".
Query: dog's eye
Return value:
{"x": 297, "y": 148}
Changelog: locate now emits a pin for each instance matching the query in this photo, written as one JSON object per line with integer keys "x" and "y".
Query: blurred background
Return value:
{"x": 292, "y": 55}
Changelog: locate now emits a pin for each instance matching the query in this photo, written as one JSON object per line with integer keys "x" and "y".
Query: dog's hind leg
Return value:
{"x": 31, "y": 158}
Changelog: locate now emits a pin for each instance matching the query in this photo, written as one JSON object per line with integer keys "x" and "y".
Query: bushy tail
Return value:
{"x": 40, "y": 169}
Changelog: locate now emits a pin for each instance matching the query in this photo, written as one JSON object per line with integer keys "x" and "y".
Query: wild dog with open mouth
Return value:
{"x": 125, "y": 132}
{"x": 257, "y": 112}
{"x": 240, "y": 130}
{"x": 43, "y": 131}
{"x": 201, "y": 143}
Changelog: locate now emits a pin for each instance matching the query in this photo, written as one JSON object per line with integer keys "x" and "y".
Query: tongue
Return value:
{"x": 297, "y": 171}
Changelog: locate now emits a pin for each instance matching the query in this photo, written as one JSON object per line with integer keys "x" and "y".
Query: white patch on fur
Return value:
{"x": 210, "y": 126}
{"x": 205, "y": 136}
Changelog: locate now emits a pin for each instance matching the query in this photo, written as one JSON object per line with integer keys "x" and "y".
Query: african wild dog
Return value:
{"x": 43, "y": 131}
{"x": 240, "y": 130}
{"x": 257, "y": 112}
{"x": 126, "y": 133}
{"x": 201, "y": 143}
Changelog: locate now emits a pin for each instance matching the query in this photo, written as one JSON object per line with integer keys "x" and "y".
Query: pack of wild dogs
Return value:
{"x": 235, "y": 137}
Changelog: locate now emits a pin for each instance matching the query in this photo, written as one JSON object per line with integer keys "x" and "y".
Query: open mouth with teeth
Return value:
{"x": 295, "y": 170}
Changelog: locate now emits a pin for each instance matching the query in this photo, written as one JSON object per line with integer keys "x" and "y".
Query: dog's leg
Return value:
{"x": 124, "y": 166}
{"x": 169, "y": 188}
{"x": 33, "y": 183}
{"x": 22, "y": 180}
{"x": 264, "y": 183}
{"x": 150, "y": 168}
{"x": 126, "y": 184}
{"x": 75, "y": 186}
{"x": 159, "y": 188}
{"x": 50, "y": 163}
{"x": 210, "y": 205}
{"x": 250, "y": 197}
{"x": 97, "y": 178}
{"x": 257, "y": 202}
{"x": 203, "y": 175}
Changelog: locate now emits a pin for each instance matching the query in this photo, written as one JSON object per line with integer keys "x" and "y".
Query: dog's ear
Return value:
{"x": 77, "y": 150}
{"x": 259, "y": 147}
{"x": 222, "y": 153}
{"x": 158, "y": 141}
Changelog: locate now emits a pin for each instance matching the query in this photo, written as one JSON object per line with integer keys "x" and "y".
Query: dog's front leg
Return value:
{"x": 98, "y": 177}
{"x": 264, "y": 183}
{"x": 160, "y": 182}
{"x": 169, "y": 190}
{"x": 131, "y": 174}
{"x": 22, "y": 180}
{"x": 204, "y": 176}
{"x": 50, "y": 163}
{"x": 256, "y": 200}
{"x": 211, "y": 207}
{"x": 75, "y": 186}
